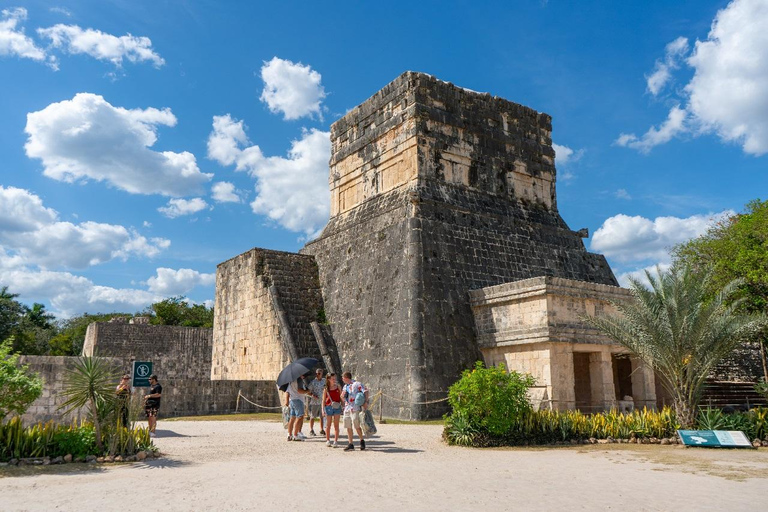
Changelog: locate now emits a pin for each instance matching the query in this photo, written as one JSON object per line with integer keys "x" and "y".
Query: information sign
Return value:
{"x": 715, "y": 438}
{"x": 141, "y": 372}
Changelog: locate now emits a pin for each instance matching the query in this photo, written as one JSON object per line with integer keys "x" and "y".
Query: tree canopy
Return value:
{"x": 736, "y": 248}
{"x": 35, "y": 331}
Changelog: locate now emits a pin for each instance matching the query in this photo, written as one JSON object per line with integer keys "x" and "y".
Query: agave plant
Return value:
{"x": 675, "y": 329}
{"x": 89, "y": 383}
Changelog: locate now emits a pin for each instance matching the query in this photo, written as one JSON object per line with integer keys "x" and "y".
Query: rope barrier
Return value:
{"x": 413, "y": 403}
{"x": 240, "y": 395}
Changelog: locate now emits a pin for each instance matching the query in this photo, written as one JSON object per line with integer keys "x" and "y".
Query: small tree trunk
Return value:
{"x": 685, "y": 412}
{"x": 762, "y": 359}
{"x": 97, "y": 426}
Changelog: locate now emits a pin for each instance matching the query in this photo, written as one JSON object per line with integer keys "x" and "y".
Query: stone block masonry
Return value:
{"x": 435, "y": 191}
{"x": 182, "y": 361}
{"x": 265, "y": 304}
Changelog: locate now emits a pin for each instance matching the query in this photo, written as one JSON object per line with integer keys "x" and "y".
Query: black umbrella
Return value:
{"x": 293, "y": 371}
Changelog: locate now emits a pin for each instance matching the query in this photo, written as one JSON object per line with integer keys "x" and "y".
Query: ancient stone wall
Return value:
{"x": 52, "y": 370}
{"x": 249, "y": 339}
{"x": 436, "y": 191}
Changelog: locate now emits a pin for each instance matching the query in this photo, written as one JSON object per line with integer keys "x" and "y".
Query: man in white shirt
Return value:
{"x": 353, "y": 404}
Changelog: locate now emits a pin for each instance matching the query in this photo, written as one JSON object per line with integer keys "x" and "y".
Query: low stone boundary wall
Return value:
{"x": 181, "y": 397}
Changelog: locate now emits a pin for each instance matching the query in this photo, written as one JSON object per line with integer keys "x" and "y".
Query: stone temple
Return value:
{"x": 444, "y": 247}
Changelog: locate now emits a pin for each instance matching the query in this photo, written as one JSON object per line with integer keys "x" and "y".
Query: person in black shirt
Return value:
{"x": 152, "y": 403}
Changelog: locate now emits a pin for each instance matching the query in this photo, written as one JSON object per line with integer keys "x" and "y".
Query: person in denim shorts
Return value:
{"x": 294, "y": 399}
{"x": 332, "y": 407}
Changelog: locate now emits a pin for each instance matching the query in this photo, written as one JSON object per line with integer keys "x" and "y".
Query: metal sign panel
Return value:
{"x": 141, "y": 372}
{"x": 715, "y": 438}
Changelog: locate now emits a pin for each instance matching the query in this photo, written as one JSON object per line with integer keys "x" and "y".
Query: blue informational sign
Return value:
{"x": 715, "y": 438}
{"x": 141, "y": 372}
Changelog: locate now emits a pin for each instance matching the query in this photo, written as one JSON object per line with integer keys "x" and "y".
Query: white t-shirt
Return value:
{"x": 293, "y": 391}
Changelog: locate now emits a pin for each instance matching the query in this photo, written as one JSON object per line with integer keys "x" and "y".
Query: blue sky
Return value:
{"x": 142, "y": 143}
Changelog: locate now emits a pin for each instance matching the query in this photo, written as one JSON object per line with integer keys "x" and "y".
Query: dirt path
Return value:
{"x": 248, "y": 465}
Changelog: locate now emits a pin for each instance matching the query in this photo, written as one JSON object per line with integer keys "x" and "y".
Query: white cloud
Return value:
{"x": 292, "y": 89}
{"x": 224, "y": 192}
{"x": 13, "y": 41}
{"x": 170, "y": 282}
{"x": 21, "y": 210}
{"x": 661, "y": 75}
{"x": 292, "y": 190}
{"x": 640, "y": 275}
{"x": 675, "y": 124}
{"x": 61, "y": 10}
{"x": 623, "y": 194}
{"x": 638, "y": 239}
{"x": 74, "y": 40}
{"x": 180, "y": 207}
{"x": 70, "y": 294}
{"x": 728, "y": 94}
{"x": 34, "y": 235}
{"x": 87, "y": 138}
{"x": 565, "y": 155}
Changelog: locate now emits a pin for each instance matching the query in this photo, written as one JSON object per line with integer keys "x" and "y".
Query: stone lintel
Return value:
{"x": 541, "y": 309}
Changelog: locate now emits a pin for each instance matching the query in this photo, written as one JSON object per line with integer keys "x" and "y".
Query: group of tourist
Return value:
{"x": 151, "y": 402}
{"x": 327, "y": 402}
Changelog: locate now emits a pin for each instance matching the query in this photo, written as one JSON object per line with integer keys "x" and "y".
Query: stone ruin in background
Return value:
{"x": 444, "y": 247}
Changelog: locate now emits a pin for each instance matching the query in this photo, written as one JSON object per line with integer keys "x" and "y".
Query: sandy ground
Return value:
{"x": 248, "y": 465}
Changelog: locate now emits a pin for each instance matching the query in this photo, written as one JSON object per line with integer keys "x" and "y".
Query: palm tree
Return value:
{"x": 90, "y": 382}
{"x": 679, "y": 330}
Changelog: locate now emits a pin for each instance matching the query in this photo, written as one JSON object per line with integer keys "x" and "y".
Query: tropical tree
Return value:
{"x": 18, "y": 387}
{"x": 736, "y": 248}
{"x": 675, "y": 329}
{"x": 90, "y": 383}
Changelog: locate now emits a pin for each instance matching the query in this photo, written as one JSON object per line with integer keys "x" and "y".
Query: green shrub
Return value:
{"x": 53, "y": 440}
{"x": 18, "y": 388}
{"x": 490, "y": 399}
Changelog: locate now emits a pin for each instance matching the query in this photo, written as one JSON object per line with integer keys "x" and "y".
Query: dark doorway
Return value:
{"x": 582, "y": 381}
{"x": 622, "y": 376}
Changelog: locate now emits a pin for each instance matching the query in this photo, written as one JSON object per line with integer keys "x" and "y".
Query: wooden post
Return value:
{"x": 381, "y": 405}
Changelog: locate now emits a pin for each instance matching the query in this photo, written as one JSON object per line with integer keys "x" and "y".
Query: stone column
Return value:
{"x": 561, "y": 384}
{"x": 643, "y": 385}
{"x": 601, "y": 380}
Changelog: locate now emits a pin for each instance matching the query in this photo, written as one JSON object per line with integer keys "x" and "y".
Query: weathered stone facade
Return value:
{"x": 535, "y": 326}
{"x": 435, "y": 191}
{"x": 265, "y": 304}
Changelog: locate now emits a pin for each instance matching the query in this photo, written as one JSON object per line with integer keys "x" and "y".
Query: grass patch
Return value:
{"x": 257, "y": 416}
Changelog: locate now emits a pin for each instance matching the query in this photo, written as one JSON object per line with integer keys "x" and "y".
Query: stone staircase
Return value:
{"x": 296, "y": 280}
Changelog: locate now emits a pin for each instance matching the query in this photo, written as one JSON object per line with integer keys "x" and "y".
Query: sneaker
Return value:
{"x": 152, "y": 434}
{"x": 297, "y": 439}
{"x": 290, "y": 437}
{"x": 322, "y": 432}
{"x": 335, "y": 444}
{"x": 328, "y": 443}
{"x": 362, "y": 444}
{"x": 312, "y": 433}
{"x": 301, "y": 436}
{"x": 350, "y": 447}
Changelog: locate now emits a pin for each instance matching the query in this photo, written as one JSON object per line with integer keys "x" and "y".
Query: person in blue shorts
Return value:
{"x": 294, "y": 399}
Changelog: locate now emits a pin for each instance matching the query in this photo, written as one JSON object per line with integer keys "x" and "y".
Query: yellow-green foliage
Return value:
{"x": 541, "y": 427}
{"x": 53, "y": 440}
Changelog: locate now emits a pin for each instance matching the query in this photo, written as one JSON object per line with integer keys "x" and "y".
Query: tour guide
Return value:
{"x": 152, "y": 403}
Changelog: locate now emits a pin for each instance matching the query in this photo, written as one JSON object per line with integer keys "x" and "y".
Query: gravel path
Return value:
{"x": 248, "y": 465}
